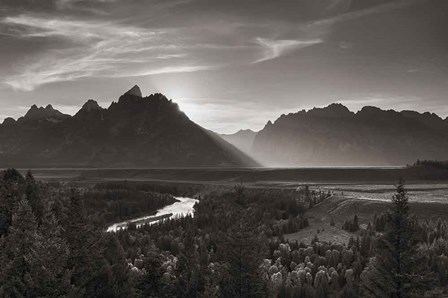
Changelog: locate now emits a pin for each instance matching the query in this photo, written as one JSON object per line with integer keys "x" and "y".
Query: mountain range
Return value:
{"x": 135, "y": 131}
{"x": 336, "y": 136}
{"x": 151, "y": 131}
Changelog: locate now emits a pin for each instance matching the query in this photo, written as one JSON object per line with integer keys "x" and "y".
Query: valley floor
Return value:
{"x": 254, "y": 177}
{"x": 360, "y": 191}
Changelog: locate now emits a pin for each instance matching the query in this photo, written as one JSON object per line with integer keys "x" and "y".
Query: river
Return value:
{"x": 183, "y": 207}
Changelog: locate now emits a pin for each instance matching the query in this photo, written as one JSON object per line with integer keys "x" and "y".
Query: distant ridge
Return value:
{"x": 135, "y": 131}
{"x": 336, "y": 136}
{"x": 242, "y": 139}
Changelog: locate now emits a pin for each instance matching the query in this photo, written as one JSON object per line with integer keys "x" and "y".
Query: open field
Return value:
{"x": 341, "y": 207}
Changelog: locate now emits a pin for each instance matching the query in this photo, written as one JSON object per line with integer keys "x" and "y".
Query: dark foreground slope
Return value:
{"x": 136, "y": 131}
{"x": 335, "y": 136}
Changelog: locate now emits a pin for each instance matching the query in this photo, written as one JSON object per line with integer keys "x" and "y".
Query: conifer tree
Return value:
{"x": 115, "y": 256}
{"x": 151, "y": 283}
{"x": 89, "y": 269}
{"x": 244, "y": 253}
{"x": 393, "y": 270}
{"x": 189, "y": 266}
{"x": 33, "y": 196}
{"x": 11, "y": 188}
{"x": 50, "y": 259}
{"x": 16, "y": 247}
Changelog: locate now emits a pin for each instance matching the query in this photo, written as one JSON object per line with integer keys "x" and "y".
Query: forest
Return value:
{"x": 53, "y": 243}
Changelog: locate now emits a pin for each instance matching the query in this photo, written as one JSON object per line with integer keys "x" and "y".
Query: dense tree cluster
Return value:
{"x": 316, "y": 270}
{"x": 49, "y": 247}
{"x": 351, "y": 225}
{"x": 431, "y": 163}
{"x": 219, "y": 251}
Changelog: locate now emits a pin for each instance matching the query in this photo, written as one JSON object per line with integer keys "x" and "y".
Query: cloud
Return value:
{"x": 273, "y": 49}
{"x": 80, "y": 48}
{"x": 321, "y": 28}
{"x": 317, "y": 30}
{"x": 96, "y": 48}
{"x": 69, "y": 3}
{"x": 364, "y": 12}
{"x": 175, "y": 69}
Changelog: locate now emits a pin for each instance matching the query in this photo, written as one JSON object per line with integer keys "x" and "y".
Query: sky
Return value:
{"x": 229, "y": 64}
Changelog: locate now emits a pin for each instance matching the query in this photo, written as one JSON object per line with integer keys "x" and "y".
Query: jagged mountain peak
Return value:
{"x": 37, "y": 113}
{"x": 372, "y": 113}
{"x": 245, "y": 131}
{"x": 134, "y": 91}
{"x": 268, "y": 124}
{"x": 241, "y": 132}
{"x": 370, "y": 109}
{"x": 9, "y": 121}
{"x": 155, "y": 103}
{"x": 332, "y": 110}
{"x": 425, "y": 115}
{"x": 429, "y": 119}
{"x": 90, "y": 105}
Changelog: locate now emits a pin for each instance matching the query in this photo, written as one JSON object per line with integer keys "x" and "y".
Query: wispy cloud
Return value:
{"x": 175, "y": 69}
{"x": 318, "y": 29}
{"x": 273, "y": 49}
{"x": 81, "y": 5}
{"x": 80, "y": 48}
{"x": 321, "y": 28}
{"x": 364, "y": 12}
{"x": 96, "y": 48}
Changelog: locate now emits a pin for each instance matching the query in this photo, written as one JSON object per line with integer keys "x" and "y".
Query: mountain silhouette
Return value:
{"x": 135, "y": 131}
{"x": 335, "y": 136}
{"x": 135, "y": 91}
{"x": 242, "y": 139}
{"x": 43, "y": 114}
